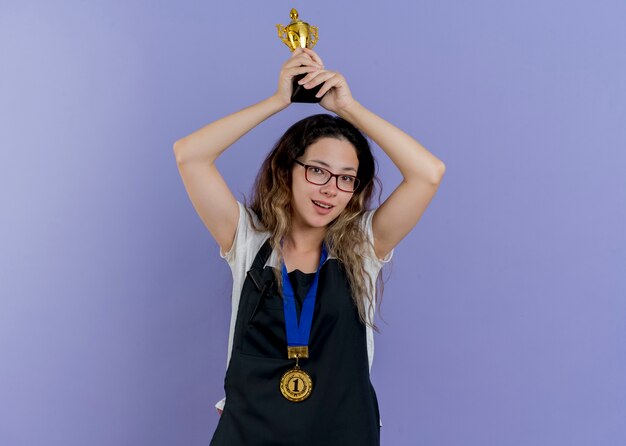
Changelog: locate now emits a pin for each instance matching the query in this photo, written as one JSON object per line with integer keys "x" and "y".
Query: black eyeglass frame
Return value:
{"x": 336, "y": 175}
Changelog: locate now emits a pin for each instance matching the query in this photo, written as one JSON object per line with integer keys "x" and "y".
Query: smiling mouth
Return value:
{"x": 323, "y": 206}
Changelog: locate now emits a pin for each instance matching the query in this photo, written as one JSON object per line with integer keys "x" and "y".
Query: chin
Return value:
{"x": 312, "y": 218}
{"x": 319, "y": 222}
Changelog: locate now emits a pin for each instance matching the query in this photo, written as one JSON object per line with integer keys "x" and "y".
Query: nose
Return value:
{"x": 330, "y": 188}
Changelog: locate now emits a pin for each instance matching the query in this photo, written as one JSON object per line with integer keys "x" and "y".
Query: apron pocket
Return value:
{"x": 264, "y": 334}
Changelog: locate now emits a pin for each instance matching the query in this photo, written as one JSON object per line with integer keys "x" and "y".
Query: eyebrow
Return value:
{"x": 327, "y": 165}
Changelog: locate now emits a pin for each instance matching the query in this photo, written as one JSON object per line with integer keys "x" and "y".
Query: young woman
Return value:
{"x": 305, "y": 255}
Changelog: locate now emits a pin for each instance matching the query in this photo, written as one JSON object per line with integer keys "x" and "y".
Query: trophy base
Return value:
{"x": 301, "y": 94}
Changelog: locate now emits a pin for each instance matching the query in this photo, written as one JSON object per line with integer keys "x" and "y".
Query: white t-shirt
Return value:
{"x": 245, "y": 248}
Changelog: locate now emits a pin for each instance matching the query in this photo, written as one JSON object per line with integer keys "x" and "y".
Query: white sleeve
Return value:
{"x": 220, "y": 404}
{"x": 367, "y": 226}
{"x": 241, "y": 234}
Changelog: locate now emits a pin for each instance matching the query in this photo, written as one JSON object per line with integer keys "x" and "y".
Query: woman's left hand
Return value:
{"x": 337, "y": 95}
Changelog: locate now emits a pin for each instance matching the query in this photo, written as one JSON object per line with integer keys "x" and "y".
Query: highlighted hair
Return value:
{"x": 345, "y": 238}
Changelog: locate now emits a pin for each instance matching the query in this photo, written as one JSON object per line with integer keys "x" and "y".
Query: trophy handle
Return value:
{"x": 281, "y": 35}
{"x": 313, "y": 38}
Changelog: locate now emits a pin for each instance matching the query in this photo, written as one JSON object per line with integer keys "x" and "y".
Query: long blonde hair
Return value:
{"x": 345, "y": 238}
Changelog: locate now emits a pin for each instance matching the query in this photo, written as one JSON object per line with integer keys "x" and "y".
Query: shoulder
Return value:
{"x": 247, "y": 240}
{"x": 366, "y": 225}
{"x": 372, "y": 259}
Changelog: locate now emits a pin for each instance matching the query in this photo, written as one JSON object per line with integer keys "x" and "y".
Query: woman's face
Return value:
{"x": 315, "y": 205}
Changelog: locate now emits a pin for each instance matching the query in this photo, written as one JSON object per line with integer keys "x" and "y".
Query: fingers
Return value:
{"x": 297, "y": 51}
{"x": 330, "y": 83}
{"x": 307, "y": 54}
{"x": 314, "y": 55}
{"x": 301, "y": 59}
{"x": 329, "y": 79}
{"x": 315, "y": 78}
{"x": 294, "y": 71}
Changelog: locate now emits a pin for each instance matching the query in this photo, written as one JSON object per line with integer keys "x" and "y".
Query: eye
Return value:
{"x": 347, "y": 179}
{"x": 316, "y": 170}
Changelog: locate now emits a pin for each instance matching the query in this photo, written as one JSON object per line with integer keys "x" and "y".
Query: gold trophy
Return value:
{"x": 300, "y": 34}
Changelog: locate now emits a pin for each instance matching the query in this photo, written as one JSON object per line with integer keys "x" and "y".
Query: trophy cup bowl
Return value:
{"x": 300, "y": 34}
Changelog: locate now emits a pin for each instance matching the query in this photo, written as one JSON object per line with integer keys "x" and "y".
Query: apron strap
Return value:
{"x": 256, "y": 272}
{"x": 256, "y": 275}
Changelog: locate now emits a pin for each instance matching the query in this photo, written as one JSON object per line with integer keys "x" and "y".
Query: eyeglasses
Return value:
{"x": 320, "y": 176}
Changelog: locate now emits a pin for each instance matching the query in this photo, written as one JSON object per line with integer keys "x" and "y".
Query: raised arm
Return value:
{"x": 422, "y": 171}
{"x": 197, "y": 152}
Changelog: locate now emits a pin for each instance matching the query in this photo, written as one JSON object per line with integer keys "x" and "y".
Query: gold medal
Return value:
{"x": 296, "y": 384}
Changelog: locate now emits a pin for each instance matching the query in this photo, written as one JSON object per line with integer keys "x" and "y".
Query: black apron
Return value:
{"x": 342, "y": 409}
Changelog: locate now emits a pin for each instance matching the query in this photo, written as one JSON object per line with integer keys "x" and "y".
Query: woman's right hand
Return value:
{"x": 291, "y": 68}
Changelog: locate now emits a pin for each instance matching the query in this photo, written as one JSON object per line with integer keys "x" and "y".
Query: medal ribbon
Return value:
{"x": 298, "y": 332}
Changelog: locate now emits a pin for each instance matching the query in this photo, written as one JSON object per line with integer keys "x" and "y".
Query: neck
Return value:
{"x": 305, "y": 240}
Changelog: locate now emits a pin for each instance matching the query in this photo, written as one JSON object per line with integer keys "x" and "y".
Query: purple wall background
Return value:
{"x": 505, "y": 307}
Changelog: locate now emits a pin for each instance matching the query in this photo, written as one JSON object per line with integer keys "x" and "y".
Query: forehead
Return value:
{"x": 337, "y": 153}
